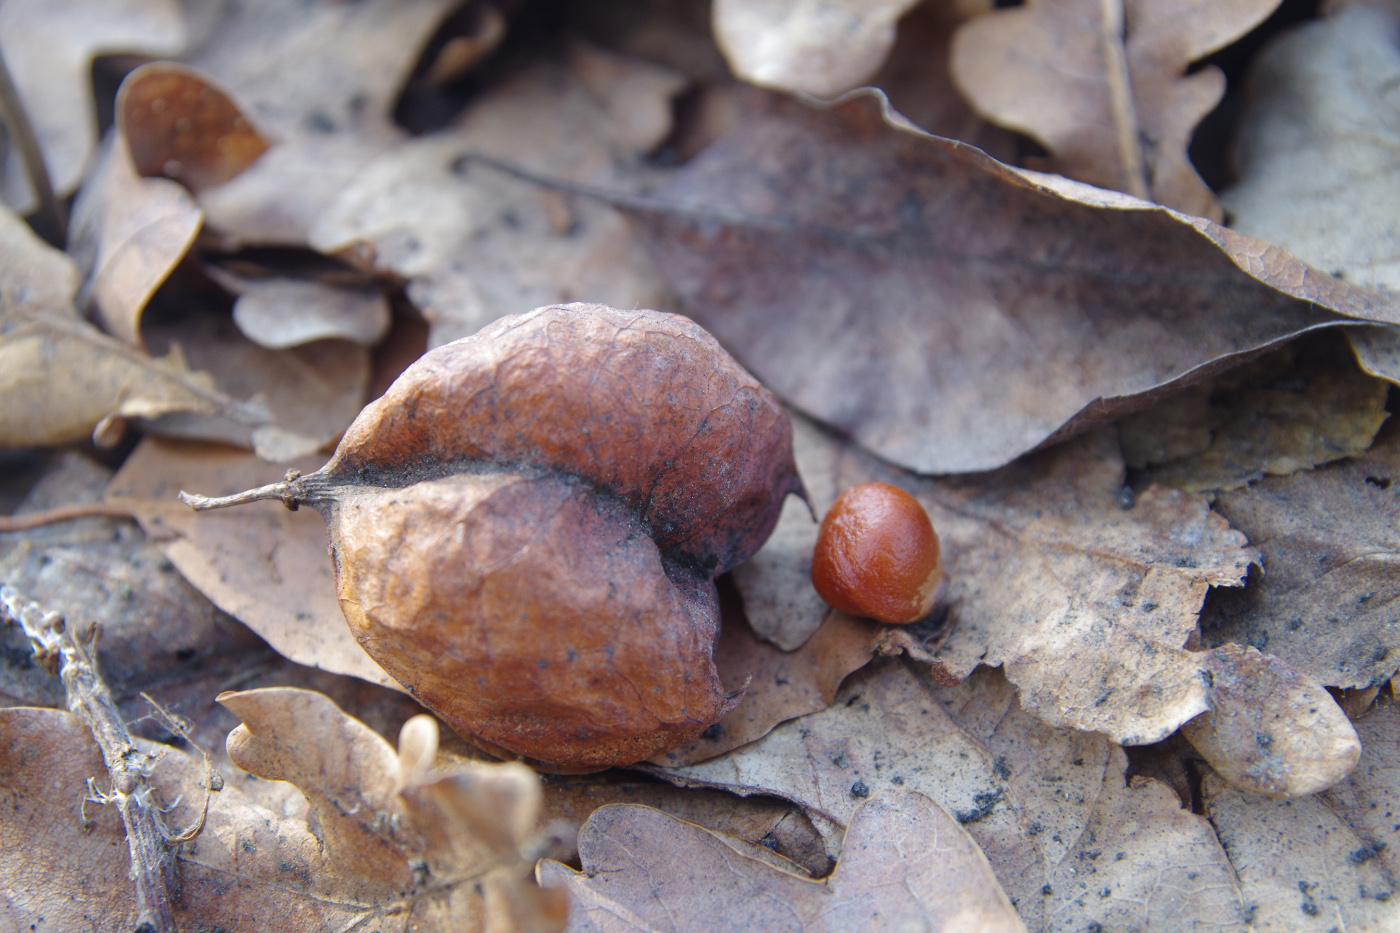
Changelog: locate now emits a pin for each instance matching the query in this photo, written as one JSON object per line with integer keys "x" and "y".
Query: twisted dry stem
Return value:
{"x": 152, "y": 859}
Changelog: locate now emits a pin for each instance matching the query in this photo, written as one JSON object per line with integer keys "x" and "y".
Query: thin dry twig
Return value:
{"x": 63, "y": 513}
{"x": 152, "y": 858}
{"x": 48, "y": 218}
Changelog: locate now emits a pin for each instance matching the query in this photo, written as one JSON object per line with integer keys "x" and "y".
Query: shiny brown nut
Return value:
{"x": 877, "y": 555}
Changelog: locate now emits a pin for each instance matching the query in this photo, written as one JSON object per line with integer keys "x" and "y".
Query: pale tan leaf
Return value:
{"x": 1301, "y": 867}
{"x": 774, "y": 824}
{"x": 1317, "y": 145}
{"x": 320, "y": 80}
{"x": 49, "y": 46}
{"x": 310, "y": 393}
{"x": 280, "y": 313}
{"x": 777, "y": 685}
{"x": 1328, "y": 540}
{"x": 821, "y": 47}
{"x": 59, "y": 376}
{"x": 906, "y": 864}
{"x": 886, "y": 731}
{"x": 129, "y": 234}
{"x": 475, "y": 243}
{"x": 1086, "y": 593}
{"x": 1105, "y": 86}
{"x": 1050, "y": 807}
{"x": 262, "y": 564}
{"x": 1366, "y": 797}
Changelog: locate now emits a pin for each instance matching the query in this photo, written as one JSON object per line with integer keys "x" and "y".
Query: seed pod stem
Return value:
{"x": 290, "y": 492}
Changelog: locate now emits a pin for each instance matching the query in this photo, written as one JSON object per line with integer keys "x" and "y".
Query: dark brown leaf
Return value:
{"x": 947, "y": 312}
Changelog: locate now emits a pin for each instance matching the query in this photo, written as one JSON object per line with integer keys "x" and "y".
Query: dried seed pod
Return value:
{"x": 527, "y": 526}
{"x": 877, "y": 555}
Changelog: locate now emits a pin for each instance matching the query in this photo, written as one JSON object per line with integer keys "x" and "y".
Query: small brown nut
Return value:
{"x": 527, "y": 527}
{"x": 877, "y": 555}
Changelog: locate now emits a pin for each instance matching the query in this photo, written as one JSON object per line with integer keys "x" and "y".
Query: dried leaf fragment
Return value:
{"x": 262, "y": 564}
{"x": 1328, "y": 541}
{"x": 1301, "y": 867}
{"x": 822, "y": 47}
{"x": 1293, "y": 409}
{"x": 906, "y": 863}
{"x": 1270, "y": 730}
{"x": 1104, "y": 86}
{"x": 49, "y": 46}
{"x": 59, "y": 376}
{"x": 474, "y": 243}
{"x": 1316, "y": 147}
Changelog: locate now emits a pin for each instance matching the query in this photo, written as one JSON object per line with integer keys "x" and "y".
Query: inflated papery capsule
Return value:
{"x": 527, "y": 526}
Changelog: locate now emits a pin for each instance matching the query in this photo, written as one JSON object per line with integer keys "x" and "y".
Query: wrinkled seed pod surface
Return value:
{"x": 527, "y": 526}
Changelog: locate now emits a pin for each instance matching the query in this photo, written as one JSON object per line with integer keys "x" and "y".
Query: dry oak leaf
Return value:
{"x": 1317, "y": 145}
{"x": 60, "y": 378}
{"x": 1044, "y": 804}
{"x": 132, "y": 223}
{"x": 320, "y": 80}
{"x": 262, "y": 564}
{"x": 886, "y": 731}
{"x": 1294, "y": 409}
{"x": 906, "y": 864}
{"x": 821, "y": 47}
{"x": 1085, "y": 592}
{"x": 48, "y": 47}
{"x": 947, "y": 312}
{"x": 919, "y": 82}
{"x": 1326, "y": 602}
{"x": 434, "y": 844}
{"x": 1166, "y": 865}
{"x": 475, "y": 243}
{"x": 776, "y": 685}
{"x": 1366, "y": 799}
{"x": 1104, "y": 86}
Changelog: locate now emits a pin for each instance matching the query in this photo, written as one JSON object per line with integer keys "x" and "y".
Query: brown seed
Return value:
{"x": 877, "y": 555}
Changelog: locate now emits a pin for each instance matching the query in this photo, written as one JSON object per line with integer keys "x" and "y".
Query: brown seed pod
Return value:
{"x": 877, "y": 555}
{"x": 527, "y": 526}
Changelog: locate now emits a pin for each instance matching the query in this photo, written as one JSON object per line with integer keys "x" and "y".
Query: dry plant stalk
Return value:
{"x": 59, "y": 650}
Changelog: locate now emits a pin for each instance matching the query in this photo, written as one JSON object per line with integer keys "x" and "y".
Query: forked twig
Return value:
{"x": 152, "y": 859}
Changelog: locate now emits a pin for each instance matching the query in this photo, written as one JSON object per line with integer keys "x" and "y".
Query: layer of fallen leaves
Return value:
{"x": 1167, "y": 506}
